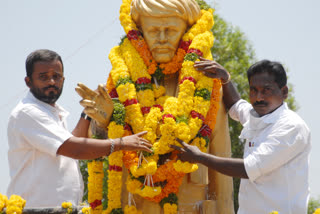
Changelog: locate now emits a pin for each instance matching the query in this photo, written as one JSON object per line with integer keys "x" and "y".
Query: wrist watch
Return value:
{"x": 85, "y": 116}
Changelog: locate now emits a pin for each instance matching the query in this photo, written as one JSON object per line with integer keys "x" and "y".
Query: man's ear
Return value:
{"x": 27, "y": 81}
{"x": 285, "y": 92}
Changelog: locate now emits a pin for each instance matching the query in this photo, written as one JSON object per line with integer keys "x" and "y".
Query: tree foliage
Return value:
{"x": 232, "y": 50}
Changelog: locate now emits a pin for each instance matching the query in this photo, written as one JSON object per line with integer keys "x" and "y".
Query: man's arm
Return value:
{"x": 229, "y": 166}
{"x": 88, "y": 148}
{"x": 81, "y": 129}
{"x": 212, "y": 69}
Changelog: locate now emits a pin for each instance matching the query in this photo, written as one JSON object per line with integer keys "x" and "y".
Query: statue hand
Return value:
{"x": 97, "y": 104}
{"x": 212, "y": 69}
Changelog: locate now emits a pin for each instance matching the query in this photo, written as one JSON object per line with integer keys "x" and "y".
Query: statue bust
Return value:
{"x": 153, "y": 77}
{"x": 163, "y": 23}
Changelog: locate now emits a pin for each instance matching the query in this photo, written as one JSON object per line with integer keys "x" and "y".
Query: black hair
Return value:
{"x": 41, "y": 55}
{"x": 271, "y": 67}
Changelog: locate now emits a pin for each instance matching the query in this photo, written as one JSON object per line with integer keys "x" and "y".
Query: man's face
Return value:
{"x": 46, "y": 82}
{"x": 162, "y": 36}
{"x": 265, "y": 94}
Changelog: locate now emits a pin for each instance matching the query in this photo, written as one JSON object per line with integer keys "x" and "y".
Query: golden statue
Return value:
{"x": 153, "y": 77}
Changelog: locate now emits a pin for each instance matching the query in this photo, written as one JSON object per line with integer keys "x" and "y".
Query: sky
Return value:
{"x": 83, "y": 32}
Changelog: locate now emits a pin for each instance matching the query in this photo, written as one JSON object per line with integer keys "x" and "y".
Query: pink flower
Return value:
{"x": 133, "y": 34}
{"x": 184, "y": 45}
{"x": 96, "y": 203}
{"x": 143, "y": 80}
{"x": 188, "y": 78}
{"x": 195, "y": 114}
{"x": 130, "y": 102}
{"x": 196, "y": 51}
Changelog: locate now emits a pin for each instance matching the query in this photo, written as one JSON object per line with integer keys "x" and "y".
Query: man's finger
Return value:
{"x": 203, "y": 59}
{"x": 147, "y": 144}
{"x": 141, "y": 133}
{"x": 144, "y": 148}
{"x": 176, "y": 148}
{"x": 209, "y": 74}
{"x": 200, "y": 65}
{"x": 182, "y": 142}
{"x": 144, "y": 140}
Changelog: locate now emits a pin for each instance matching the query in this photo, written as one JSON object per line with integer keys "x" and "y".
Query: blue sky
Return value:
{"x": 83, "y": 32}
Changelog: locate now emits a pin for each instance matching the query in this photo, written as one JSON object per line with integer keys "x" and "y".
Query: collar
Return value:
{"x": 271, "y": 117}
{"x": 256, "y": 123}
{"x": 57, "y": 109}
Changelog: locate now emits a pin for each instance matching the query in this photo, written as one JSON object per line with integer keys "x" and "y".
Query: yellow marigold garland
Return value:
{"x": 115, "y": 169}
{"x": 86, "y": 210}
{"x": 170, "y": 208}
{"x": 15, "y": 204}
{"x": 95, "y": 185}
{"x": 317, "y": 211}
{"x": 147, "y": 105}
{"x": 68, "y": 206}
{"x": 3, "y": 202}
{"x": 131, "y": 210}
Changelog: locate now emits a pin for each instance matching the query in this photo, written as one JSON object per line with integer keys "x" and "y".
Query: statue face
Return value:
{"x": 162, "y": 35}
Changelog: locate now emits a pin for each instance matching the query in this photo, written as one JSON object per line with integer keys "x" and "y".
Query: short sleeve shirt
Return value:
{"x": 276, "y": 159}
{"x": 36, "y": 130}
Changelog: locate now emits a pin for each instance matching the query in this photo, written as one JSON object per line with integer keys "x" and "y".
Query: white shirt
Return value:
{"x": 276, "y": 159}
{"x": 44, "y": 179}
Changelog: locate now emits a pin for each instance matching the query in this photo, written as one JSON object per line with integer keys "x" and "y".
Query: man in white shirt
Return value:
{"x": 42, "y": 151}
{"x": 275, "y": 166}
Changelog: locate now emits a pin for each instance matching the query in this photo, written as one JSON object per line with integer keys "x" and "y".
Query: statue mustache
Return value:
{"x": 165, "y": 46}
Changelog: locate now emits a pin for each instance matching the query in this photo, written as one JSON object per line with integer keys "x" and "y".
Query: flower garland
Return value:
{"x": 86, "y": 210}
{"x": 115, "y": 170}
{"x": 3, "y": 202}
{"x": 191, "y": 116}
{"x": 116, "y": 129}
{"x": 317, "y": 211}
{"x": 95, "y": 185}
{"x": 15, "y": 204}
{"x": 68, "y": 206}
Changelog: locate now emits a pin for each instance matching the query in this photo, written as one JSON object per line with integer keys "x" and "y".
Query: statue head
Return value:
{"x": 163, "y": 23}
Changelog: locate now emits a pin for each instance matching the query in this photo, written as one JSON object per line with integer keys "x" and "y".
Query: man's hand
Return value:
{"x": 97, "y": 104}
{"x": 135, "y": 142}
{"x": 212, "y": 69}
{"x": 188, "y": 153}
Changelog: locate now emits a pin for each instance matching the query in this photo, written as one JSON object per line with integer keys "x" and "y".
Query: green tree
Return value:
{"x": 232, "y": 50}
